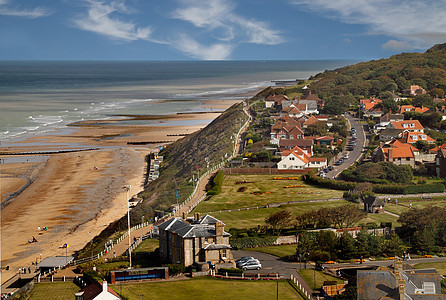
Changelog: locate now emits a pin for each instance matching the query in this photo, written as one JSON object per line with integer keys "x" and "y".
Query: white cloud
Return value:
{"x": 101, "y": 20}
{"x": 414, "y": 24}
{"x": 193, "y": 48}
{"x": 218, "y": 21}
{"x": 7, "y": 10}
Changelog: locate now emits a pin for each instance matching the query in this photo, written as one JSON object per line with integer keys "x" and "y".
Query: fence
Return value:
{"x": 301, "y": 287}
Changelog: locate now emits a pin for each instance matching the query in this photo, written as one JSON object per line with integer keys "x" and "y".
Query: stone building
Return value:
{"x": 198, "y": 241}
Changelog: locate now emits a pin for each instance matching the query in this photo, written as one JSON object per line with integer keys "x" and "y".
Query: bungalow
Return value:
{"x": 311, "y": 106}
{"x": 96, "y": 291}
{"x": 397, "y": 153}
{"x": 292, "y": 111}
{"x": 410, "y": 125}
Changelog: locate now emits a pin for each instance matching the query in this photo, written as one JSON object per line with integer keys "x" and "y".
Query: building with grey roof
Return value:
{"x": 400, "y": 284}
{"x": 197, "y": 241}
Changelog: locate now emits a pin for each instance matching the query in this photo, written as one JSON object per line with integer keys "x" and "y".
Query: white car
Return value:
{"x": 251, "y": 265}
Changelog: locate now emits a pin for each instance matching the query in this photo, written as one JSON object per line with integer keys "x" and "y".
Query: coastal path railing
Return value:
{"x": 306, "y": 290}
{"x": 215, "y": 167}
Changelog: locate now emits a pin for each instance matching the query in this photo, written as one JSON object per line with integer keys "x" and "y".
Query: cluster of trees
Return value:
{"x": 379, "y": 78}
{"x": 381, "y": 172}
{"x": 341, "y": 216}
{"x": 424, "y": 230}
{"x": 326, "y": 245}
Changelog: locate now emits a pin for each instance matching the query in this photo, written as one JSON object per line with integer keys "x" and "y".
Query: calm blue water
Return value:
{"x": 39, "y": 96}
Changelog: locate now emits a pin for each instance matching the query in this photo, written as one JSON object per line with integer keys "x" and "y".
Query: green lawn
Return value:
{"x": 229, "y": 198}
{"x": 148, "y": 245}
{"x": 54, "y": 290}
{"x": 309, "y": 275}
{"x": 416, "y": 203}
{"x": 280, "y": 251}
{"x": 207, "y": 288}
{"x": 439, "y": 266}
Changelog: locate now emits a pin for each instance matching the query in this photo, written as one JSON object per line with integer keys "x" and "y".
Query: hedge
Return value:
{"x": 216, "y": 183}
{"x": 230, "y": 271}
{"x": 250, "y": 242}
{"x": 331, "y": 184}
{"x": 424, "y": 188}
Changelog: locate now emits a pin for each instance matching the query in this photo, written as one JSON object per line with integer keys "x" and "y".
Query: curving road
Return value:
{"x": 358, "y": 150}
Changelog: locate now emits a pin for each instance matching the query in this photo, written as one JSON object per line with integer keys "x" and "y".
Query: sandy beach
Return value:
{"x": 77, "y": 194}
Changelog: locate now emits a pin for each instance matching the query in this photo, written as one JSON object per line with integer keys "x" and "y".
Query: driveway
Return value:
{"x": 270, "y": 263}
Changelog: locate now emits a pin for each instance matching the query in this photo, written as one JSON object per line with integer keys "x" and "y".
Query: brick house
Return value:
{"x": 409, "y": 125}
{"x": 297, "y": 158}
{"x": 285, "y": 128}
{"x": 197, "y": 242}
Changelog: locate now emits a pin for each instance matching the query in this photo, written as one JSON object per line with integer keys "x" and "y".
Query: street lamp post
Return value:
{"x": 127, "y": 188}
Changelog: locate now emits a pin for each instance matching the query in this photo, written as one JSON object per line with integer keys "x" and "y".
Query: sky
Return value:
{"x": 218, "y": 29}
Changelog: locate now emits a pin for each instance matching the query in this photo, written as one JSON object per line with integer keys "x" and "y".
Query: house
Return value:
{"x": 414, "y": 90}
{"x": 389, "y": 134}
{"x": 198, "y": 242}
{"x": 285, "y": 128}
{"x": 408, "y": 108}
{"x": 323, "y": 140}
{"x": 305, "y": 144}
{"x": 311, "y": 106}
{"x": 396, "y": 152}
{"x": 96, "y": 291}
{"x": 292, "y": 111}
{"x": 410, "y": 125}
{"x": 310, "y": 121}
{"x": 386, "y": 119}
{"x": 440, "y": 163}
{"x": 385, "y": 283}
{"x": 313, "y": 97}
{"x": 373, "y": 204}
{"x": 368, "y": 104}
{"x": 298, "y": 159}
{"x": 413, "y": 137}
{"x": 275, "y": 100}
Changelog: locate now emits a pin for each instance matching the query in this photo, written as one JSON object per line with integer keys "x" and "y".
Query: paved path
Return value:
{"x": 122, "y": 247}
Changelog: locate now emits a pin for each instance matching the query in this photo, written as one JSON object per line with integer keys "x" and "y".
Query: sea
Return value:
{"x": 41, "y": 97}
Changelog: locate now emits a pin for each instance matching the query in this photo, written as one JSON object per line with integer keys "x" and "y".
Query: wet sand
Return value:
{"x": 77, "y": 194}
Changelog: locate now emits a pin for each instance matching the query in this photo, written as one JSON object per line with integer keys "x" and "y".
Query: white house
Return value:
{"x": 297, "y": 159}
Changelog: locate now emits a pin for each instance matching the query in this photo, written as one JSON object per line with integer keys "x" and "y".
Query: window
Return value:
{"x": 291, "y": 136}
{"x": 291, "y": 158}
{"x": 224, "y": 253}
{"x": 206, "y": 240}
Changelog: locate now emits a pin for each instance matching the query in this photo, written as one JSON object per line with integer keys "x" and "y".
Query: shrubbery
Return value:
{"x": 175, "y": 269}
{"x": 215, "y": 188}
{"x": 250, "y": 242}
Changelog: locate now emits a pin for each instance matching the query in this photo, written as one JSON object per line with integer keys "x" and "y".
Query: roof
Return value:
{"x": 413, "y": 137}
{"x": 407, "y": 124}
{"x": 402, "y": 152}
{"x": 93, "y": 290}
{"x": 373, "y": 201}
{"x": 186, "y": 230}
{"x": 208, "y": 219}
{"x": 55, "y": 261}
{"x": 311, "y": 104}
{"x": 318, "y": 159}
{"x": 216, "y": 247}
{"x": 311, "y": 120}
{"x": 296, "y": 142}
{"x": 392, "y": 117}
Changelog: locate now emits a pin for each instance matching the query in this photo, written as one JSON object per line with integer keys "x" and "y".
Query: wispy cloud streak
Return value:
{"x": 7, "y": 10}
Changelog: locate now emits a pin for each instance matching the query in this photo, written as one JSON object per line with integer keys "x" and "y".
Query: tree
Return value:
{"x": 393, "y": 246}
{"x": 423, "y": 100}
{"x": 436, "y": 93}
{"x": 352, "y": 214}
{"x": 346, "y": 246}
{"x": 279, "y": 220}
{"x": 317, "y": 129}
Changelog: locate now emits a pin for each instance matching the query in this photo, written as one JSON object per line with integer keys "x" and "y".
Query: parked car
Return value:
{"x": 330, "y": 168}
{"x": 326, "y": 170}
{"x": 345, "y": 155}
{"x": 243, "y": 259}
{"x": 253, "y": 260}
{"x": 251, "y": 265}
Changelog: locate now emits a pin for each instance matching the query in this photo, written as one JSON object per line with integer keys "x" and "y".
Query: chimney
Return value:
{"x": 197, "y": 217}
{"x": 219, "y": 232}
{"x": 104, "y": 286}
{"x": 390, "y": 154}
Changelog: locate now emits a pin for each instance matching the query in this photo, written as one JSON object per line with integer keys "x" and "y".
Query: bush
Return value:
{"x": 216, "y": 183}
{"x": 175, "y": 269}
{"x": 230, "y": 271}
{"x": 251, "y": 242}
{"x": 424, "y": 188}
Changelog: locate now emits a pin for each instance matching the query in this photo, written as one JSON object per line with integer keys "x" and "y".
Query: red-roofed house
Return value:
{"x": 436, "y": 149}
{"x": 410, "y": 125}
{"x": 413, "y": 137}
{"x": 396, "y": 152}
{"x": 313, "y": 97}
{"x": 305, "y": 144}
{"x": 311, "y": 121}
{"x": 406, "y": 108}
{"x": 296, "y": 158}
{"x": 275, "y": 100}
{"x": 370, "y": 108}
{"x": 285, "y": 128}
{"x": 97, "y": 292}
{"x": 292, "y": 111}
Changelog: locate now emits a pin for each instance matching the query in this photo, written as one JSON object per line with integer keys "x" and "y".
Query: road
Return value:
{"x": 358, "y": 150}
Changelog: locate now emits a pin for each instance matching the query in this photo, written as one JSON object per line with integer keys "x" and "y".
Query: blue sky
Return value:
{"x": 218, "y": 29}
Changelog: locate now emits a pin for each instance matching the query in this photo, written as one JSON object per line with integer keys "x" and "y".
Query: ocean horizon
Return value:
{"x": 38, "y": 97}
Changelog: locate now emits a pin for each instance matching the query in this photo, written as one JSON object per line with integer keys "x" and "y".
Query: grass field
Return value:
{"x": 229, "y": 198}
{"x": 54, "y": 290}
{"x": 416, "y": 203}
{"x": 207, "y": 288}
{"x": 315, "y": 279}
{"x": 439, "y": 266}
{"x": 280, "y": 251}
{"x": 254, "y": 217}
{"x": 148, "y": 245}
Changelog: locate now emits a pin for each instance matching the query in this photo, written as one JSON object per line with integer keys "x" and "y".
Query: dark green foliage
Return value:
{"x": 230, "y": 271}
{"x": 215, "y": 188}
{"x": 249, "y": 242}
{"x": 382, "y": 172}
{"x": 175, "y": 269}
{"x": 424, "y": 188}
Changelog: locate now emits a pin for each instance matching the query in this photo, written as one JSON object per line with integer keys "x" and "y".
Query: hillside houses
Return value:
{"x": 298, "y": 159}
